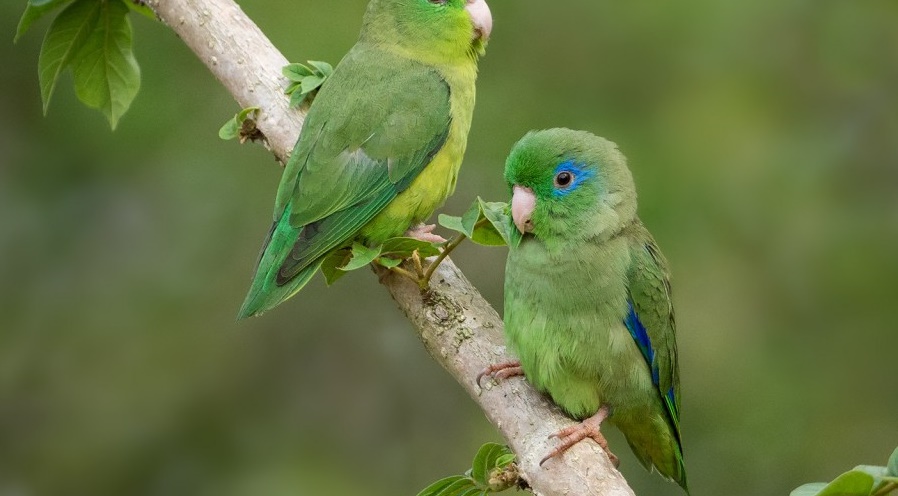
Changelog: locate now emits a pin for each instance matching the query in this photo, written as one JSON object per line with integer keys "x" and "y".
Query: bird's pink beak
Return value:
{"x": 523, "y": 201}
{"x": 481, "y": 17}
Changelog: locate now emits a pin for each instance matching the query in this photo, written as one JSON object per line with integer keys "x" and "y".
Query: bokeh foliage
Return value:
{"x": 764, "y": 140}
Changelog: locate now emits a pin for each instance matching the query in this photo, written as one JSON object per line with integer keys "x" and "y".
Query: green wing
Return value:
{"x": 651, "y": 321}
{"x": 376, "y": 123}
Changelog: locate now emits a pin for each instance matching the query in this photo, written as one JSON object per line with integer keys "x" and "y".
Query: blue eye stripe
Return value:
{"x": 579, "y": 172}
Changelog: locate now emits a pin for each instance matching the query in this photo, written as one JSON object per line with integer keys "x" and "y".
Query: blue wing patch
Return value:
{"x": 641, "y": 336}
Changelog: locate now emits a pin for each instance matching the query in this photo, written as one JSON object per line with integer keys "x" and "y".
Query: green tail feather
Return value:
{"x": 265, "y": 293}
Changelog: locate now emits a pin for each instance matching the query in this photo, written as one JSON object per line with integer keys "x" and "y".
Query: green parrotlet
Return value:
{"x": 587, "y": 298}
{"x": 382, "y": 142}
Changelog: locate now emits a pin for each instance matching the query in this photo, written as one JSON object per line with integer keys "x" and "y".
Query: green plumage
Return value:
{"x": 381, "y": 145}
{"x": 571, "y": 283}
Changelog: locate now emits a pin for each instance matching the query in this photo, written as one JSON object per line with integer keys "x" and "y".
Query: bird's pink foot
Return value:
{"x": 589, "y": 428}
{"x": 501, "y": 371}
{"x": 424, "y": 232}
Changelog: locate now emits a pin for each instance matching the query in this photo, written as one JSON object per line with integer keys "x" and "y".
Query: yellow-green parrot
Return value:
{"x": 382, "y": 142}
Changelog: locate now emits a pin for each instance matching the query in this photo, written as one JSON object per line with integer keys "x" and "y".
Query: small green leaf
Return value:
{"x": 485, "y": 462}
{"x": 296, "y": 71}
{"x": 451, "y": 222}
{"x": 34, "y": 10}
{"x": 456, "y": 485}
{"x": 141, "y": 8}
{"x": 893, "y": 464}
{"x": 499, "y": 216}
{"x": 389, "y": 262}
{"x": 469, "y": 219}
{"x": 505, "y": 460}
{"x": 853, "y": 483}
{"x": 361, "y": 256}
{"x": 332, "y": 265}
{"x": 311, "y": 83}
{"x": 232, "y": 128}
{"x": 292, "y": 87}
{"x": 65, "y": 38}
{"x": 809, "y": 489}
{"x": 107, "y": 76}
{"x": 298, "y": 98}
{"x": 323, "y": 68}
{"x": 404, "y": 247}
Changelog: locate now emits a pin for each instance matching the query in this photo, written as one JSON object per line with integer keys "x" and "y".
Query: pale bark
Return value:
{"x": 458, "y": 327}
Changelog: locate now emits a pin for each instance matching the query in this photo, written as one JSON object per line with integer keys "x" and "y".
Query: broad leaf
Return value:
{"x": 505, "y": 460}
{"x": 457, "y": 485}
{"x": 65, "y": 38}
{"x": 34, "y": 10}
{"x": 853, "y": 483}
{"x": 311, "y": 83}
{"x": 809, "y": 489}
{"x": 404, "y": 247}
{"x": 361, "y": 256}
{"x": 323, "y": 68}
{"x": 107, "y": 76}
{"x": 296, "y": 72}
{"x": 485, "y": 461}
{"x": 332, "y": 265}
{"x": 141, "y": 8}
{"x": 499, "y": 216}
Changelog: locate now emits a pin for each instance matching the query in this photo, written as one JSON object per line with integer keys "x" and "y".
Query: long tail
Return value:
{"x": 265, "y": 292}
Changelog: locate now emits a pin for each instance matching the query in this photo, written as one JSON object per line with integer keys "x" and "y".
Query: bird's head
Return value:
{"x": 569, "y": 185}
{"x": 437, "y": 30}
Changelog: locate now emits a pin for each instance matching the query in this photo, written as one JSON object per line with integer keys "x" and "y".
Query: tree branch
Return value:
{"x": 458, "y": 327}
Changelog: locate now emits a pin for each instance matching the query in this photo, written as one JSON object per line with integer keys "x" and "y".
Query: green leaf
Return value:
{"x": 232, "y": 128}
{"x": 34, "y": 10}
{"x": 389, "y": 262}
{"x": 361, "y": 256}
{"x": 298, "y": 98}
{"x": 296, "y": 71}
{"x": 893, "y": 464}
{"x": 451, "y": 222}
{"x": 485, "y": 461}
{"x": 107, "y": 76}
{"x": 404, "y": 247}
{"x": 141, "y": 8}
{"x": 505, "y": 460}
{"x": 292, "y": 87}
{"x": 499, "y": 216}
{"x": 323, "y": 68}
{"x": 332, "y": 265}
{"x": 809, "y": 489}
{"x": 311, "y": 83}
{"x": 853, "y": 483}
{"x": 456, "y": 485}
{"x": 65, "y": 38}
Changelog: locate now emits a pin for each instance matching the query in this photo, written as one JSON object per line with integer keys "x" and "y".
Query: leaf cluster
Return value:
{"x": 485, "y": 223}
{"x": 93, "y": 38}
{"x": 863, "y": 480}
{"x": 492, "y": 471}
{"x": 305, "y": 81}
{"x": 389, "y": 255}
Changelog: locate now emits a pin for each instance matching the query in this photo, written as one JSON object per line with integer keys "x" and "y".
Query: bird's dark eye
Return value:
{"x": 563, "y": 179}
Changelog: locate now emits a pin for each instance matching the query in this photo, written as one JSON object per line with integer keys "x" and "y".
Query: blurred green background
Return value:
{"x": 764, "y": 140}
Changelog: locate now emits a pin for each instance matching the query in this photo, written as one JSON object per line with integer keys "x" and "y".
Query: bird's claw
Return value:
{"x": 501, "y": 371}
{"x": 589, "y": 428}
{"x": 424, "y": 232}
